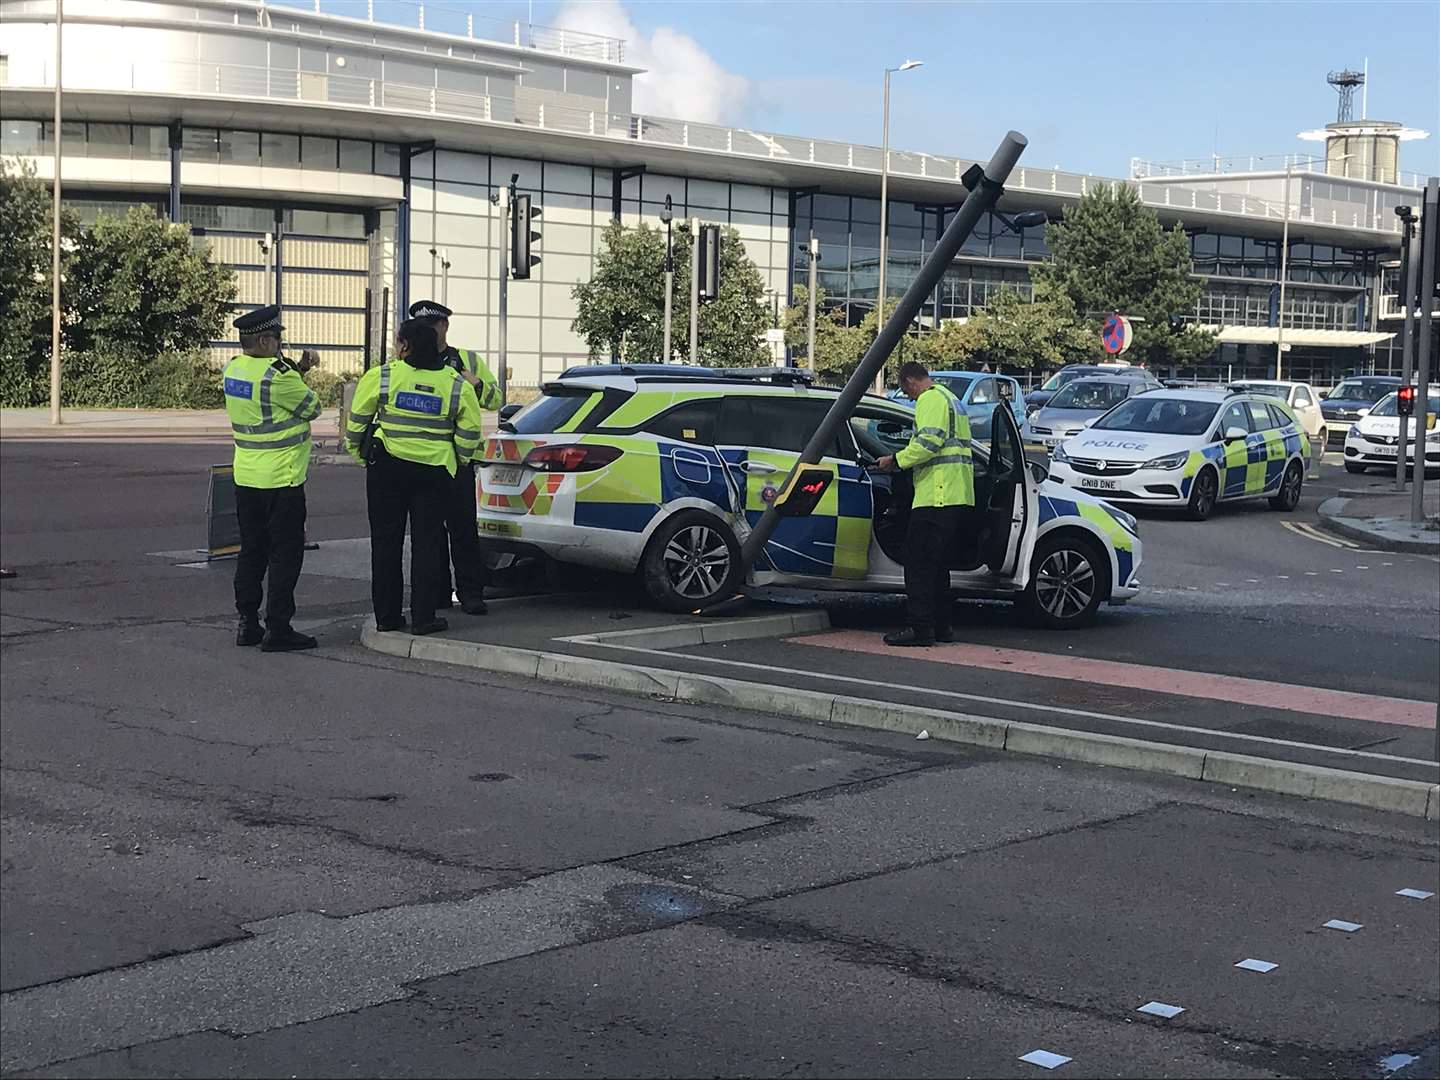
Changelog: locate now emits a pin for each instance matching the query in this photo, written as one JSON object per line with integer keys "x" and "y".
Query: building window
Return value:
{"x": 22, "y": 137}
{"x": 201, "y": 145}
{"x": 387, "y": 159}
{"x": 240, "y": 147}
{"x": 356, "y": 156}
{"x": 318, "y": 153}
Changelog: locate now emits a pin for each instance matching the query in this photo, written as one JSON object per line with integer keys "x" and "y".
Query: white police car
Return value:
{"x": 1190, "y": 448}
{"x": 1374, "y": 440}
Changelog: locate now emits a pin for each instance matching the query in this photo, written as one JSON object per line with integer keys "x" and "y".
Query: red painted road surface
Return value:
{"x": 1196, "y": 684}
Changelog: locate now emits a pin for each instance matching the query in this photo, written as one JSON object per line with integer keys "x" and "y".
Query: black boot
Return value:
{"x": 398, "y": 626}
{"x": 474, "y": 606}
{"x": 432, "y": 625}
{"x": 910, "y": 638}
{"x": 286, "y": 640}
{"x": 248, "y": 631}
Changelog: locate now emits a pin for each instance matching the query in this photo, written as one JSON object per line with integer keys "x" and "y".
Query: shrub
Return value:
{"x": 327, "y": 385}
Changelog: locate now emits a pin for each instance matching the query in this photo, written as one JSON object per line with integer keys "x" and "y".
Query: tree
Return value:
{"x": 25, "y": 283}
{"x": 622, "y": 307}
{"x": 1110, "y": 253}
{"x": 838, "y": 346}
{"x": 140, "y": 288}
{"x": 1013, "y": 332}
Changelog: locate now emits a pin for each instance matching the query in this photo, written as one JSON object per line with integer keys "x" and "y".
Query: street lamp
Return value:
{"x": 884, "y": 199}
{"x": 1018, "y": 223}
{"x": 667, "y": 216}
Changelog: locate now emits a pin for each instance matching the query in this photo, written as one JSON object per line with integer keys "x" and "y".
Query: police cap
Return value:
{"x": 429, "y": 309}
{"x": 265, "y": 318}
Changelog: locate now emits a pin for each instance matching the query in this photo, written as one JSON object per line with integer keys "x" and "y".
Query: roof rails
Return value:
{"x": 788, "y": 375}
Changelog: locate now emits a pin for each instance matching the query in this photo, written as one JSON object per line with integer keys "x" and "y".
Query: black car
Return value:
{"x": 1352, "y": 399}
{"x": 1036, "y": 399}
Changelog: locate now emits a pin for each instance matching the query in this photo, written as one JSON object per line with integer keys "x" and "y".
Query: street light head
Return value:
{"x": 1405, "y": 214}
{"x": 668, "y": 214}
{"x": 908, "y": 64}
{"x": 1030, "y": 219}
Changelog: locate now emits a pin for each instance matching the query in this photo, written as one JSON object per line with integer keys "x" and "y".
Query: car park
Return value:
{"x": 1190, "y": 449}
{"x": 1304, "y": 402}
{"x": 661, "y": 471}
{"x": 979, "y": 392}
{"x": 1373, "y": 441}
{"x": 1352, "y": 399}
{"x": 1075, "y": 406}
{"x": 1036, "y": 399}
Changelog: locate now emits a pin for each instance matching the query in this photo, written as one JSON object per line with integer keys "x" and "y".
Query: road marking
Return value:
{"x": 1113, "y": 673}
{"x": 984, "y": 699}
{"x": 1310, "y": 532}
{"x": 1334, "y": 571}
{"x": 1312, "y": 573}
{"x": 1283, "y": 577}
{"x": 1362, "y": 568}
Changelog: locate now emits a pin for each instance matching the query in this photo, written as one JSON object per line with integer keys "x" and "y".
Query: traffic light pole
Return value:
{"x": 812, "y": 248}
{"x": 694, "y": 290}
{"x": 985, "y": 186}
{"x": 507, "y": 197}
{"x": 1409, "y": 268}
{"x": 1430, "y": 234}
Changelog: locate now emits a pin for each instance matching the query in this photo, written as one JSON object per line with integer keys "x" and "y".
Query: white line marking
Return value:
{"x": 1283, "y": 577}
{"x": 1334, "y": 571}
{"x": 1342, "y": 924}
{"x": 1159, "y": 1008}
{"x": 1362, "y": 568}
{"x": 1312, "y": 573}
{"x": 1261, "y": 966}
{"x": 1415, "y": 894}
{"x": 1011, "y": 703}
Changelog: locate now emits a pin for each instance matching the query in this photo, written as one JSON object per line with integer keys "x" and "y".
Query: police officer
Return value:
{"x": 938, "y": 457}
{"x": 413, "y": 422}
{"x": 471, "y": 573}
{"x": 270, "y": 410}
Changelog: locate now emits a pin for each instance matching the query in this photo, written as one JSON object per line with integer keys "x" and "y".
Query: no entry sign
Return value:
{"x": 1116, "y": 335}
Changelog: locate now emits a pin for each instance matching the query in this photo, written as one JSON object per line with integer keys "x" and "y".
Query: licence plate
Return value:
{"x": 1051, "y": 442}
{"x": 1384, "y": 451}
{"x": 1101, "y": 485}
{"x": 506, "y": 475}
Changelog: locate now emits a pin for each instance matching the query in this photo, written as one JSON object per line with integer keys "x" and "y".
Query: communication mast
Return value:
{"x": 1345, "y": 83}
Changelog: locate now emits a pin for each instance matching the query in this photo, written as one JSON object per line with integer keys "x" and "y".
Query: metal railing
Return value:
{"x": 1217, "y": 165}
{"x": 236, "y": 81}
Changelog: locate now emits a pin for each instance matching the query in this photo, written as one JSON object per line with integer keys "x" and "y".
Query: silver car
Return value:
{"x": 1076, "y": 406}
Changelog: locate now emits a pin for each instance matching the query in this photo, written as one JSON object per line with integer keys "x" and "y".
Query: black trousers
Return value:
{"x": 471, "y": 572}
{"x": 272, "y": 541}
{"x": 929, "y": 544}
{"x": 398, "y": 491}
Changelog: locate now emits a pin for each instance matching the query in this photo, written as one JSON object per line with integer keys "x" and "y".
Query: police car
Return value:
{"x": 1374, "y": 440}
{"x": 661, "y": 471}
{"x": 1190, "y": 448}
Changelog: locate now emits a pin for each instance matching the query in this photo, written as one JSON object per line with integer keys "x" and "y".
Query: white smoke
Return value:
{"x": 681, "y": 79}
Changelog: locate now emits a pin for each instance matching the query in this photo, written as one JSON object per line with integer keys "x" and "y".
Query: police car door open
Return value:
{"x": 1007, "y": 460}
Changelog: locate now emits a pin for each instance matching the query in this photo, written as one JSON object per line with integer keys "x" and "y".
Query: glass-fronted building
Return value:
{"x": 346, "y": 167}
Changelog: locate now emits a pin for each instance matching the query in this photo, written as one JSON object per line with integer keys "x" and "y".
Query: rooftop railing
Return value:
{"x": 250, "y": 83}
{"x": 1217, "y": 165}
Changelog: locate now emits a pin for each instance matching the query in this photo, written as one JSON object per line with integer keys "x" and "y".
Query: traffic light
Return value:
{"x": 709, "y": 241}
{"x": 1405, "y": 401}
{"x": 521, "y": 238}
{"x": 803, "y": 491}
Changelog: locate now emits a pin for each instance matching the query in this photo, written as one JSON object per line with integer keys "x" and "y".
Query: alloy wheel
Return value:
{"x": 697, "y": 562}
{"x": 1065, "y": 583}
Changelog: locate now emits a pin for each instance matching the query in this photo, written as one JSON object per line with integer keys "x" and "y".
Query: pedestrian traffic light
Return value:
{"x": 803, "y": 491}
{"x": 521, "y": 237}
{"x": 709, "y": 241}
{"x": 1405, "y": 401}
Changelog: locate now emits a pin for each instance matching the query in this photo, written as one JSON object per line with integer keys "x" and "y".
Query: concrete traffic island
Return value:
{"x": 537, "y": 638}
{"x": 1381, "y": 519}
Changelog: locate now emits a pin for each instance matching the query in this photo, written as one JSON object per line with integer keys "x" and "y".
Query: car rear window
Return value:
{"x": 551, "y": 411}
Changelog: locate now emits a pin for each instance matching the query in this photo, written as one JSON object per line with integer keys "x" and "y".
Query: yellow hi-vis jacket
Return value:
{"x": 488, "y": 392}
{"x": 939, "y": 451}
{"x": 427, "y": 416}
{"x": 270, "y": 410}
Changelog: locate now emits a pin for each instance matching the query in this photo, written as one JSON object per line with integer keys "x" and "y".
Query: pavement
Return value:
{"x": 1374, "y": 513}
{"x": 222, "y": 863}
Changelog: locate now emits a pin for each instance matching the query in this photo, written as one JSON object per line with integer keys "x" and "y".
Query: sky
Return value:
{"x": 1091, "y": 84}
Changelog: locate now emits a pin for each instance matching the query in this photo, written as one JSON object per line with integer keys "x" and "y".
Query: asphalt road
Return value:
{"x": 217, "y": 862}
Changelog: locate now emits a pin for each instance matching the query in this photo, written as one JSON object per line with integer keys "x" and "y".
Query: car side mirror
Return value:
{"x": 1039, "y": 471}
{"x": 1233, "y": 433}
{"x": 507, "y": 411}
{"x": 1324, "y": 394}
{"x": 1007, "y": 391}
{"x": 1365, "y": 411}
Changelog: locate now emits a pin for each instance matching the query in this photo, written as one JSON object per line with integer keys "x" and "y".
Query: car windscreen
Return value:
{"x": 1159, "y": 416}
{"x": 1361, "y": 390}
{"x": 1268, "y": 389}
{"x": 551, "y": 411}
{"x": 1388, "y": 406}
{"x": 1091, "y": 394}
{"x": 1060, "y": 378}
{"x": 956, "y": 384}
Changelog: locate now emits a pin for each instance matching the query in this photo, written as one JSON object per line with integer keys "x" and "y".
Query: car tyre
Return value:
{"x": 1288, "y": 497}
{"x": 1069, "y": 577}
{"x": 1352, "y": 467}
{"x": 1204, "y": 492}
{"x": 692, "y": 562}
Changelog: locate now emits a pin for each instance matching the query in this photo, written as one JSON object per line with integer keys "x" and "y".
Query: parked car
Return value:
{"x": 1374, "y": 440}
{"x": 1075, "y": 406}
{"x": 661, "y": 471}
{"x": 1036, "y": 399}
{"x": 1190, "y": 448}
{"x": 1304, "y": 402}
{"x": 1352, "y": 399}
{"x": 979, "y": 392}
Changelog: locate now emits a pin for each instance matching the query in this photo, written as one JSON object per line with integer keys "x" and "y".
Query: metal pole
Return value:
{"x": 55, "y": 234}
{"x": 1430, "y": 216}
{"x": 813, "y": 247}
{"x": 384, "y": 323}
{"x": 884, "y": 218}
{"x": 694, "y": 290}
{"x": 444, "y": 276}
{"x": 669, "y": 285}
{"x": 1284, "y": 273}
{"x": 506, "y": 196}
{"x": 985, "y": 186}
{"x": 1409, "y": 268}
{"x": 369, "y": 325}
